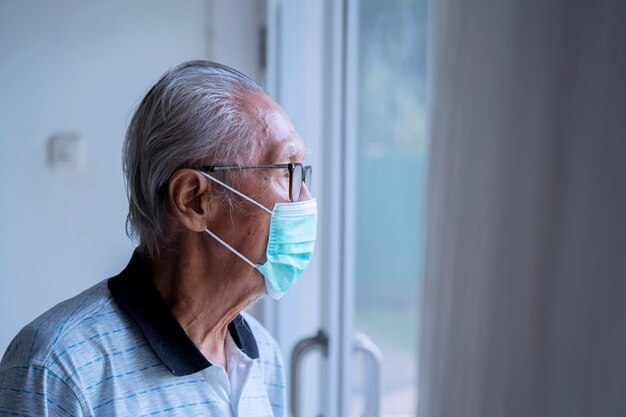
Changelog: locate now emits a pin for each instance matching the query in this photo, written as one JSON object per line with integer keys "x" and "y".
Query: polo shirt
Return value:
{"x": 117, "y": 350}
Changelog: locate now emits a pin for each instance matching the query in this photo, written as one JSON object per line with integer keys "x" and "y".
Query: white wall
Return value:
{"x": 73, "y": 66}
{"x": 235, "y": 31}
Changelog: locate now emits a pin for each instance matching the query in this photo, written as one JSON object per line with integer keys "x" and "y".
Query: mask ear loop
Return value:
{"x": 240, "y": 194}
{"x": 233, "y": 250}
{"x": 214, "y": 236}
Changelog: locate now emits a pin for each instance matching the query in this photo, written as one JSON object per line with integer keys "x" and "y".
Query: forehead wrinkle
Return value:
{"x": 275, "y": 132}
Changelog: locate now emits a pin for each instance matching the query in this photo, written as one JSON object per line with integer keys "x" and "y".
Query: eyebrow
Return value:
{"x": 293, "y": 152}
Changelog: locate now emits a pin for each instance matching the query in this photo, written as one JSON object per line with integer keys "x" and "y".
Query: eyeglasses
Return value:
{"x": 298, "y": 174}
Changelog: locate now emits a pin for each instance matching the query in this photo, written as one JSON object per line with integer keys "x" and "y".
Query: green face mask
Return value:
{"x": 290, "y": 243}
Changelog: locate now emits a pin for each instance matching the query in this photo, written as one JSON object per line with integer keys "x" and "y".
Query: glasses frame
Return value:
{"x": 307, "y": 170}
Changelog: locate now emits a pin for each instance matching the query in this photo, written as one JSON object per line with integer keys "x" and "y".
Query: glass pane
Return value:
{"x": 390, "y": 195}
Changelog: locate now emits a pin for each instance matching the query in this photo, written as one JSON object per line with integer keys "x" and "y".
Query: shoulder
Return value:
{"x": 51, "y": 333}
{"x": 36, "y": 361}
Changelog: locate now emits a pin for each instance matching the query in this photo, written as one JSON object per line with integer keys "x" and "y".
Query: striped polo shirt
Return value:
{"x": 117, "y": 350}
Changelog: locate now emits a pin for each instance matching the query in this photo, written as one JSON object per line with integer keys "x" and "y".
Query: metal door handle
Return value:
{"x": 319, "y": 341}
{"x": 363, "y": 344}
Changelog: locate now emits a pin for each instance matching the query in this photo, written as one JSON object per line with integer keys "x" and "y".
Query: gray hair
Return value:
{"x": 194, "y": 112}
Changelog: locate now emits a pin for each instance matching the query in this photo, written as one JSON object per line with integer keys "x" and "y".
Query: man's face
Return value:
{"x": 246, "y": 228}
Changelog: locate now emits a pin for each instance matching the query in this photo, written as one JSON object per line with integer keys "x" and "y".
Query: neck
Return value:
{"x": 205, "y": 294}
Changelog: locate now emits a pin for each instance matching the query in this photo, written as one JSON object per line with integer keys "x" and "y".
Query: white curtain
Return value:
{"x": 525, "y": 283}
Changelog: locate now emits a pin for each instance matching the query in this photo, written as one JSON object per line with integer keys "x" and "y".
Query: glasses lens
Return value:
{"x": 296, "y": 182}
{"x": 308, "y": 176}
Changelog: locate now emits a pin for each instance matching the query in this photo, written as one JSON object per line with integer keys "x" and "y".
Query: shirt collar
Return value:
{"x": 134, "y": 290}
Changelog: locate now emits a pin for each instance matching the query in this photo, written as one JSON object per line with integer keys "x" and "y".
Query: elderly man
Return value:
{"x": 219, "y": 201}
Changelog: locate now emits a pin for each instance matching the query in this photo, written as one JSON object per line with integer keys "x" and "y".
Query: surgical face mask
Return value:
{"x": 290, "y": 242}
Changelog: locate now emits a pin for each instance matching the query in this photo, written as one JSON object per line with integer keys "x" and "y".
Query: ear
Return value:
{"x": 188, "y": 191}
